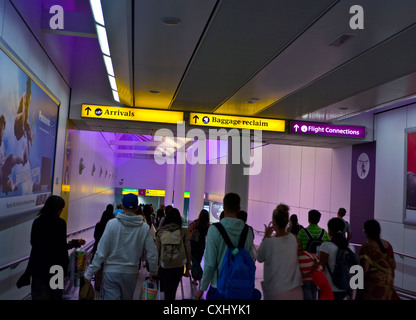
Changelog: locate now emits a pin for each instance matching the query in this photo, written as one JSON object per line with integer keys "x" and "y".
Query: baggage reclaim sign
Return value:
{"x": 132, "y": 114}
{"x": 225, "y": 121}
{"x": 324, "y": 129}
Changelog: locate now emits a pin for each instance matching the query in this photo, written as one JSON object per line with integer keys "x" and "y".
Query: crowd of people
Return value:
{"x": 300, "y": 263}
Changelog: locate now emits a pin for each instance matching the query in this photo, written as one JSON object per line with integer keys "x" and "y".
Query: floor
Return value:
{"x": 186, "y": 289}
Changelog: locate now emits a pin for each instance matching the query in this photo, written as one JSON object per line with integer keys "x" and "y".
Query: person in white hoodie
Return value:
{"x": 120, "y": 249}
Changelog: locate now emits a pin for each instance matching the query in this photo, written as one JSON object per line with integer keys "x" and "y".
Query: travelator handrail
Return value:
{"x": 400, "y": 254}
{"x": 15, "y": 263}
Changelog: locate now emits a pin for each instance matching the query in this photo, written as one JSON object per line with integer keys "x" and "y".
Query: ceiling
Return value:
{"x": 262, "y": 58}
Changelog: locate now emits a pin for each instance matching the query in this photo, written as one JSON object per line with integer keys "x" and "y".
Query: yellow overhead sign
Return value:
{"x": 127, "y": 191}
{"x": 155, "y": 193}
{"x": 226, "y": 121}
{"x": 132, "y": 114}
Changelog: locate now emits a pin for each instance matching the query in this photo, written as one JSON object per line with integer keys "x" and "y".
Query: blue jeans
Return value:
{"x": 310, "y": 291}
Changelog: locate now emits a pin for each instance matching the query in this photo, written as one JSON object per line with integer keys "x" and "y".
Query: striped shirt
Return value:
{"x": 308, "y": 263}
{"x": 314, "y": 230}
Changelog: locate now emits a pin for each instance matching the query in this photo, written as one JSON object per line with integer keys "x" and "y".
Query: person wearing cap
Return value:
{"x": 120, "y": 249}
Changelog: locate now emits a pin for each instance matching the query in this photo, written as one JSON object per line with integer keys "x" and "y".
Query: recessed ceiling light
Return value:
{"x": 253, "y": 100}
{"x": 154, "y": 91}
{"x": 171, "y": 21}
{"x": 340, "y": 40}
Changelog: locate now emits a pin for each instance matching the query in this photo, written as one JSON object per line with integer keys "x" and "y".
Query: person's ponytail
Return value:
{"x": 336, "y": 228}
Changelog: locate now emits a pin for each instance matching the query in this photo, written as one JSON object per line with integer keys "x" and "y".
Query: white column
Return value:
{"x": 197, "y": 183}
{"x": 235, "y": 180}
{"x": 170, "y": 173}
{"x": 179, "y": 186}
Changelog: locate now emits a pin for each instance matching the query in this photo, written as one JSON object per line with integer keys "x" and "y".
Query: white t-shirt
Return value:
{"x": 281, "y": 267}
{"x": 331, "y": 250}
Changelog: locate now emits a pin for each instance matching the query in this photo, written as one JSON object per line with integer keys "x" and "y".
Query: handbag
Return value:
{"x": 87, "y": 292}
{"x": 150, "y": 290}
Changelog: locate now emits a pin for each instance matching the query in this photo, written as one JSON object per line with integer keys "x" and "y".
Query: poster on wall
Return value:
{"x": 28, "y": 118}
{"x": 410, "y": 179}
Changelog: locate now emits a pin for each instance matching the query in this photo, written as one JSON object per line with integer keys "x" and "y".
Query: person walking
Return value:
{"x": 197, "y": 231}
{"x": 174, "y": 249}
{"x": 49, "y": 248}
{"x": 310, "y": 238}
{"x": 120, "y": 249}
{"x": 216, "y": 248}
{"x": 98, "y": 233}
{"x": 329, "y": 252}
{"x": 377, "y": 259}
{"x": 279, "y": 253}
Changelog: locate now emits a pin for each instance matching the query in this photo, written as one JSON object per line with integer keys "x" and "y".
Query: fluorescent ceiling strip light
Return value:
{"x": 113, "y": 83}
{"x": 115, "y": 95}
{"x": 97, "y": 11}
{"x": 102, "y": 38}
{"x": 108, "y": 65}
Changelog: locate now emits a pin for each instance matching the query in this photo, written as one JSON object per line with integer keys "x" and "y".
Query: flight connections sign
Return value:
{"x": 324, "y": 129}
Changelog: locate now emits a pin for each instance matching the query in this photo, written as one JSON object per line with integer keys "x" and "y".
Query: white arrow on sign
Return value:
{"x": 296, "y": 127}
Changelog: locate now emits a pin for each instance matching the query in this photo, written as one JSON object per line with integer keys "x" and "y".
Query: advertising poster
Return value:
{"x": 28, "y": 123}
{"x": 410, "y": 178}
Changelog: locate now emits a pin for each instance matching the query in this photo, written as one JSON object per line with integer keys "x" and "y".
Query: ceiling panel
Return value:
{"x": 118, "y": 20}
{"x": 242, "y": 38}
{"x": 386, "y": 95}
{"x": 311, "y": 57}
{"x": 162, "y": 52}
{"x": 225, "y": 52}
{"x": 388, "y": 61}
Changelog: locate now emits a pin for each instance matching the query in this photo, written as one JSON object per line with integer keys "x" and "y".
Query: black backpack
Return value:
{"x": 313, "y": 243}
{"x": 341, "y": 274}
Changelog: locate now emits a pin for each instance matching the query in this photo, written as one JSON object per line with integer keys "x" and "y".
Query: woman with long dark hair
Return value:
{"x": 294, "y": 225}
{"x": 107, "y": 215}
{"x": 328, "y": 253}
{"x": 197, "y": 232}
{"x": 377, "y": 259}
{"x": 174, "y": 250}
{"x": 49, "y": 248}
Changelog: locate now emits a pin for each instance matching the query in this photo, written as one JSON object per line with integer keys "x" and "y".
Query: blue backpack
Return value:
{"x": 340, "y": 275}
{"x": 237, "y": 274}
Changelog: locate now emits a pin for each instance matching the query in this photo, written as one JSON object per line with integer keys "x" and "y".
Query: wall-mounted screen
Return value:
{"x": 410, "y": 177}
{"x": 28, "y": 118}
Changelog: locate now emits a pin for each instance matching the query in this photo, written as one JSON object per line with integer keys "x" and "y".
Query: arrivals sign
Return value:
{"x": 132, "y": 114}
{"x": 324, "y": 129}
{"x": 226, "y": 121}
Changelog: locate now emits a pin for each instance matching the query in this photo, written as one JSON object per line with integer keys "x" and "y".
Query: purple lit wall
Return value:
{"x": 362, "y": 188}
